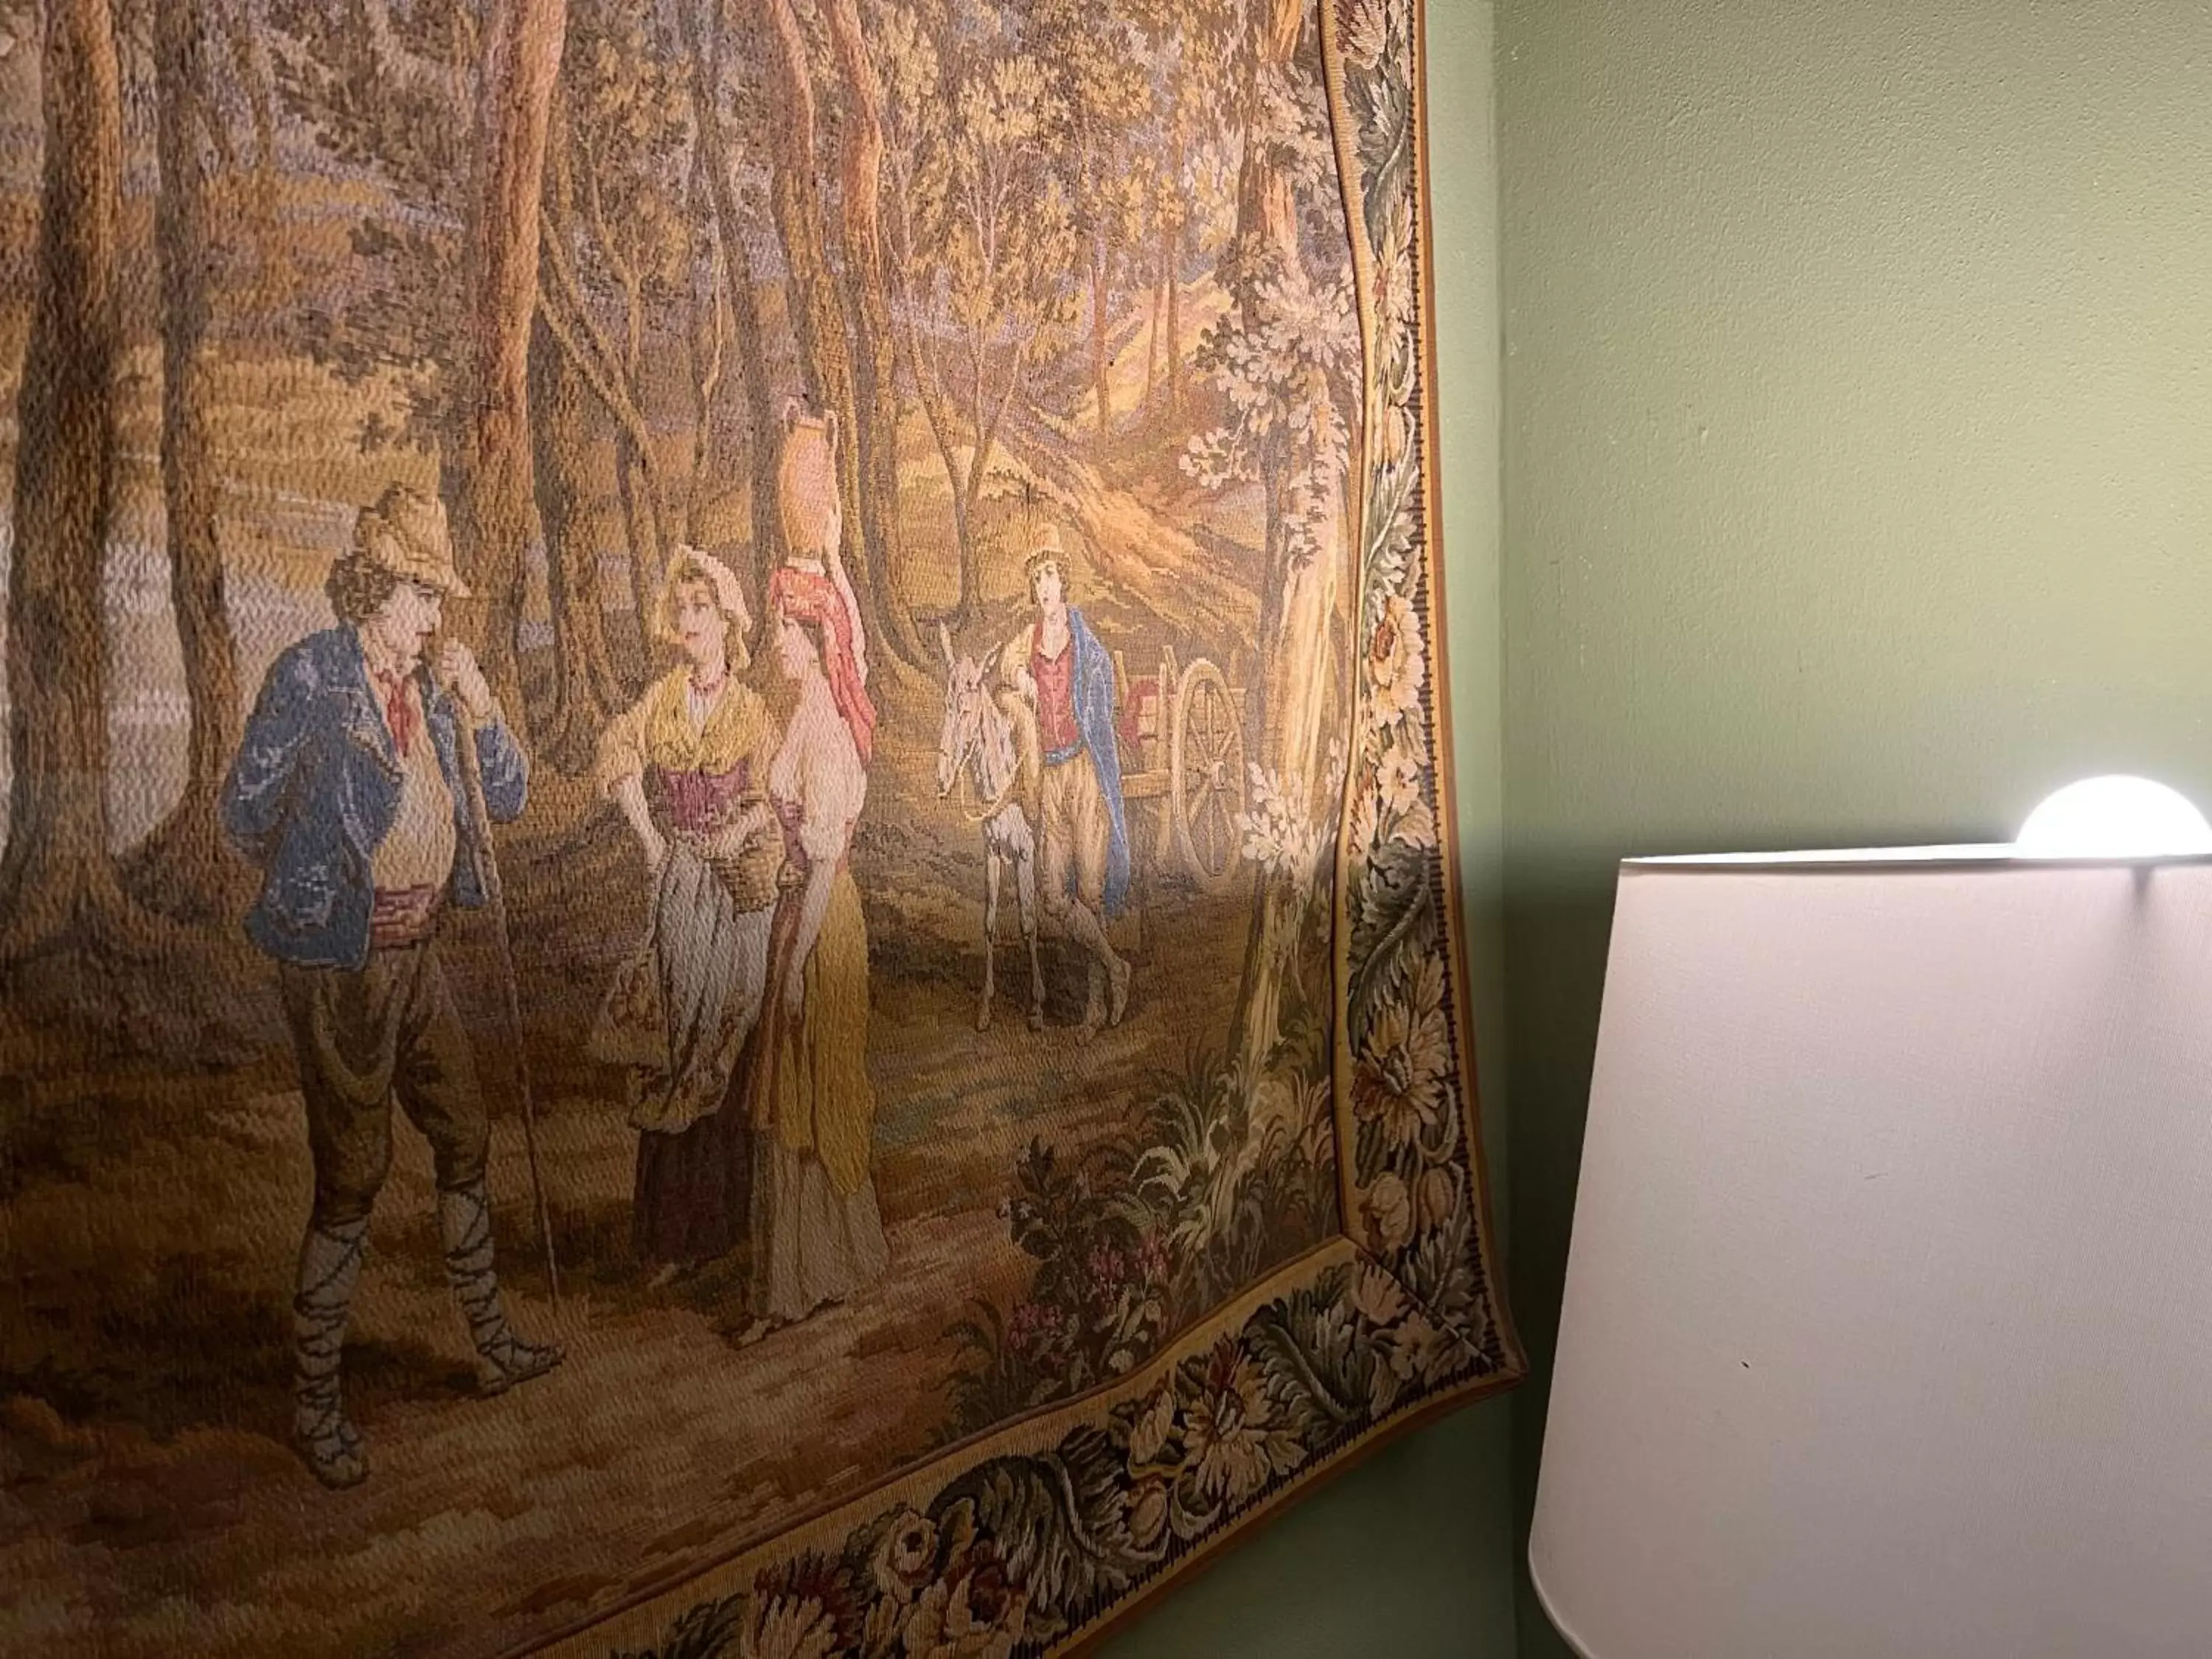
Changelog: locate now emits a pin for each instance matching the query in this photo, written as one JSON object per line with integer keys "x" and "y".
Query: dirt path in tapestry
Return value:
{"x": 159, "y": 1510}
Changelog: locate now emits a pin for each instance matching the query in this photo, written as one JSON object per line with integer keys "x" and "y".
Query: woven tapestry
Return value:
{"x": 729, "y": 922}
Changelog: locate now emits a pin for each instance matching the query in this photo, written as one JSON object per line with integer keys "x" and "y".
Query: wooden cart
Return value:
{"x": 1182, "y": 748}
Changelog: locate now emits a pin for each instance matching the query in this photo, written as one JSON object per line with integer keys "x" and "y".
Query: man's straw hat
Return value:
{"x": 406, "y": 533}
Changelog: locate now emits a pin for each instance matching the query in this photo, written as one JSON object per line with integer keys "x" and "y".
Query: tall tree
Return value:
{"x": 985, "y": 243}
{"x": 1284, "y": 353}
{"x": 1200, "y": 50}
{"x": 817, "y": 313}
{"x": 1011, "y": 255}
{"x": 183, "y": 866}
{"x": 710, "y": 350}
{"x": 388, "y": 93}
{"x": 611, "y": 368}
{"x": 621, "y": 148}
{"x": 717, "y": 160}
{"x": 521, "y": 58}
{"x": 1153, "y": 180}
{"x": 797, "y": 206}
{"x": 586, "y": 686}
{"x": 867, "y": 304}
{"x": 915, "y": 156}
{"x": 1105, "y": 93}
{"x": 1287, "y": 150}
{"x": 58, "y": 878}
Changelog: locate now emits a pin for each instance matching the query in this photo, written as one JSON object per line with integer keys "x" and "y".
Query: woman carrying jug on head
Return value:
{"x": 817, "y": 1234}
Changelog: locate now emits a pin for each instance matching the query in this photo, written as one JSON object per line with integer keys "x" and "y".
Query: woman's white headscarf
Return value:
{"x": 690, "y": 564}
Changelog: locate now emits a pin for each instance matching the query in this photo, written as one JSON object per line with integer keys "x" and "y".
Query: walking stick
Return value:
{"x": 495, "y": 900}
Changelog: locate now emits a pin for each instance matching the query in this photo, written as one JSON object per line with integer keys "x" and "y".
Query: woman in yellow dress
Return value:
{"x": 687, "y": 765}
{"x": 817, "y": 1234}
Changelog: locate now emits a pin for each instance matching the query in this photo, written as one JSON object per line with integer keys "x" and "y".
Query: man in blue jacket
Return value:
{"x": 347, "y": 793}
{"x": 1066, "y": 677}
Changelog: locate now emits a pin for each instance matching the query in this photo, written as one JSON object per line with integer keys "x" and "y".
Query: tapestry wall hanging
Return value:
{"x": 728, "y": 924}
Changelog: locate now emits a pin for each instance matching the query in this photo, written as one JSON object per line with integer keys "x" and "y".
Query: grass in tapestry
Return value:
{"x": 1216, "y": 1178}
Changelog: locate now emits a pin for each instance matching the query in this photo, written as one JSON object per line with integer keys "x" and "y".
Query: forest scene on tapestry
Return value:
{"x": 721, "y": 788}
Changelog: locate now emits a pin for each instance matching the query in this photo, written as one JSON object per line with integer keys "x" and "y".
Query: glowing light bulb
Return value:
{"x": 2114, "y": 817}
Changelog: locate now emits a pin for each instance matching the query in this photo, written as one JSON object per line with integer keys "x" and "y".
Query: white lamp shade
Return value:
{"x": 1888, "y": 1317}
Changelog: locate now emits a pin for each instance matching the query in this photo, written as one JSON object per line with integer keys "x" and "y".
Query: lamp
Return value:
{"x": 1887, "y": 1331}
{"x": 2114, "y": 816}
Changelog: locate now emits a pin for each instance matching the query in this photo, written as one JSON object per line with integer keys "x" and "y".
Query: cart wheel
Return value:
{"x": 1205, "y": 777}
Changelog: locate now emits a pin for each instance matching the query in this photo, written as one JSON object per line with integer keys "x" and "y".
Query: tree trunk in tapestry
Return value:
{"x": 58, "y": 885}
{"x": 1303, "y": 475}
{"x": 817, "y": 315}
{"x": 704, "y": 29}
{"x": 875, "y": 369}
{"x": 521, "y": 58}
{"x": 184, "y": 866}
{"x": 586, "y": 687}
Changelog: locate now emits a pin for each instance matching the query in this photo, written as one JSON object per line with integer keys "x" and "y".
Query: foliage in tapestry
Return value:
{"x": 1023, "y": 1551}
{"x": 1411, "y": 1165}
{"x": 1219, "y": 1177}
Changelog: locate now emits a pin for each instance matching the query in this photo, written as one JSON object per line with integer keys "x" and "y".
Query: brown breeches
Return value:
{"x": 365, "y": 1039}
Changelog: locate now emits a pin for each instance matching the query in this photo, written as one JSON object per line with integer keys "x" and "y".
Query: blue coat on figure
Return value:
{"x": 1065, "y": 675}
{"x": 314, "y": 789}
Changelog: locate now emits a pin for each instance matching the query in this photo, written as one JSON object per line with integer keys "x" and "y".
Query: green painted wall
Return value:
{"x": 1859, "y": 410}
{"x": 1411, "y": 1554}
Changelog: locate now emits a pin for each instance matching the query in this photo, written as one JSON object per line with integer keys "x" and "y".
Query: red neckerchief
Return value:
{"x": 400, "y": 716}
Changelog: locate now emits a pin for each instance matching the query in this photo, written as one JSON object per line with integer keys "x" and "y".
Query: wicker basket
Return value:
{"x": 753, "y": 873}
